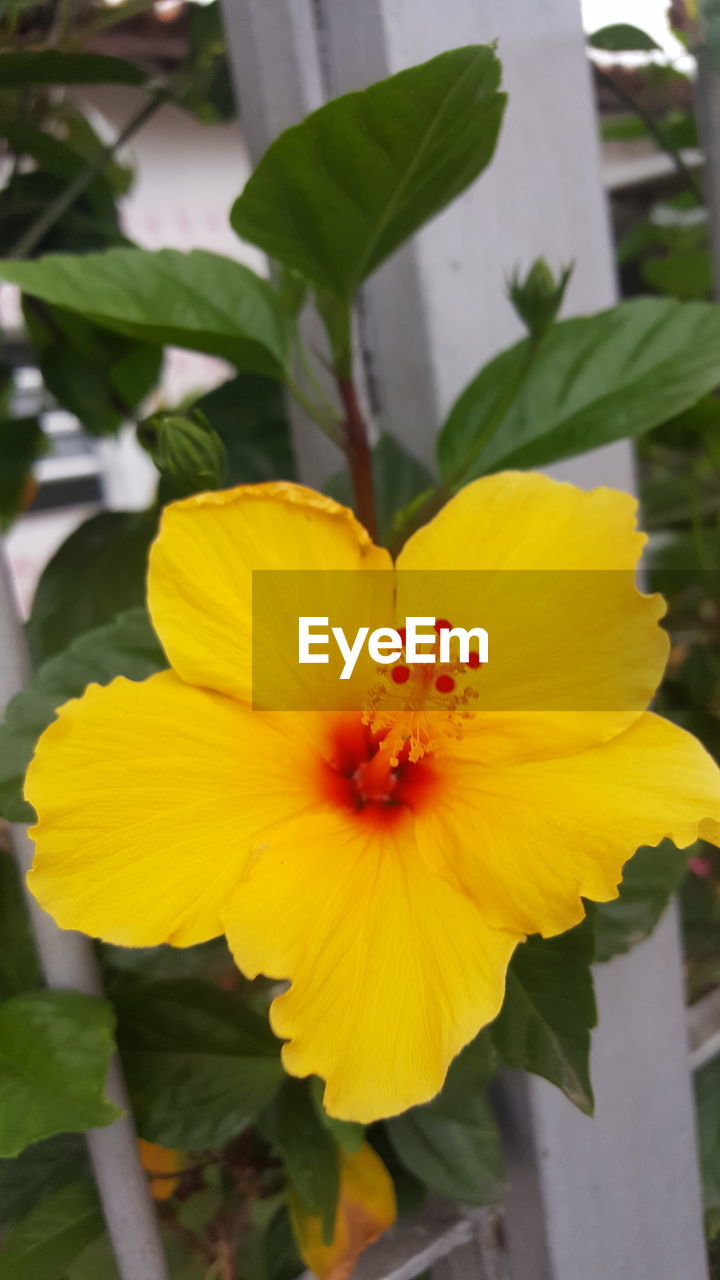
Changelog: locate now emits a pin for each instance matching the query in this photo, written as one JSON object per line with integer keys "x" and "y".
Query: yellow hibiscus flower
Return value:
{"x": 385, "y": 863}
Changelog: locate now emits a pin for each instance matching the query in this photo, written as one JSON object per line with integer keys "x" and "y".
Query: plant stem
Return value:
{"x": 359, "y": 455}
{"x": 65, "y": 199}
{"x": 327, "y": 422}
{"x": 653, "y": 128}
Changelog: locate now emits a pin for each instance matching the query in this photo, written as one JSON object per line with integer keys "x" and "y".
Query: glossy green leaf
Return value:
{"x": 54, "y": 1233}
{"x": 622, "y": 37}
{"x": 19, "y": 967}
{"x": 97, "y": 375}
{"x": 55, "y": 1049}
{"x": 96, "y": 573}
{"x": 127, "y": 646}
{"x": 595, "y": 379}
{"x": 309, "y": 1151}
{"x": 198, "y": 300}
{"x": 337, "y": 194}
{"x": 21, "y": 442}
{"x": 249, "y": 415}
{"x": 200, "y": 1064}
{"x": 545, "y": 1022}
{"x": 21, "y": 68}
{"x": 399, "y": 479}
{"x": 452, "y": 1143}
{"x": 649, "y": 880}
{"x": 37, "y": 1172}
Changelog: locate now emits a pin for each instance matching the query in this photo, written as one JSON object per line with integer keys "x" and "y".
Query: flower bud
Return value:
{"x": 185, "y": 449}
{"x": 538, "y": 298}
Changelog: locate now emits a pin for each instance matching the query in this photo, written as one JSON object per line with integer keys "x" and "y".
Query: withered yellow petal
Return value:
{"x": 164, "y": 1164}
{"x": 366, "y": 1208}
{"x": 202, "y": 562}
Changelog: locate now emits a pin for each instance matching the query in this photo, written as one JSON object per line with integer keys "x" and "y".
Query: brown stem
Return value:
{"x": 192, "y": 1242}
{"x": 359, "y": 455}
{"x": 653, "y": 127}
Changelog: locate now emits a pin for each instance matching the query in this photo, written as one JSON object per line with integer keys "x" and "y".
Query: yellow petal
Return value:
{"x": 530, "y": 840}
{"x": 392, "y": 969}
{"x": 575, "y": 650}
{"x": 150, "y": 798}
{"x": 366, "y": 1208}
{"x": 202, "y": 562}
{"x": 522, "y": 520}
{"x": 161, "y": 1163}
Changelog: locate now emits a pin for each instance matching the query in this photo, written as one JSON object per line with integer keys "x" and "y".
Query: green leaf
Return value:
{"x": 249, "y": 415}
{"x": 549, "y": 1009}
{"x": 308, "y": 1149}
{"x": 37, "y": 1172}
{"x": 685, "y": 274}
{"x": 399, "y": 480}
{"x": 127, "y": 646}
{"x": 19, "y": 967}
{"x": 199, "y": 1063}
{"x": 280, "y": 1253}
{"x": 198, "y": 300}
{"x": 710, "y": 26}
{"x": 22, "y": 68}
{"x": 707, "y": 1102}
{"x": 57, "y": 157}
{"x": 80, "y": 230}
{"x": 594, "y": 380}
{"x": 649, "y": 880}
{"x": 97, "y": 375}
{"x": 57, "y": 1230}
{"x": 55, "y": 1049}
{"x": 21, "y": 442}
{"x": 349, "y": 1134}
{"x": 452, "y": 1143}
{"x": 622, "y": 37}
{"x": 97, "y": 1262}
{"x": 337, "y": 194}
{"x": 97, "y": 572}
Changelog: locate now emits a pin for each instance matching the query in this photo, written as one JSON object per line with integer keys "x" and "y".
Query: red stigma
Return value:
{"x": 444, "y": 684}
{"x": 442, "y": 624}
{"x": 474, "y": 661}
{"x": 400, "y": 674}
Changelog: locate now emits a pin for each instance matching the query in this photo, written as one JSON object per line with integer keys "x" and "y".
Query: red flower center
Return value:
{"x": 362, "y": 777}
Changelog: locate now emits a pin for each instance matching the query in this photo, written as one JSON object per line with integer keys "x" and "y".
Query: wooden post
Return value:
{"x": 615, "y": 1198}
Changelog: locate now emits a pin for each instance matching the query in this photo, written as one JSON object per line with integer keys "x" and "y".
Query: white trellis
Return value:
{"x": 617, "y": 1197}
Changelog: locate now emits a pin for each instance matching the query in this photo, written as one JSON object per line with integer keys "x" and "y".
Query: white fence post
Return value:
{"x": 67, "y": 960}
{"x": 615, "y": 1198}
